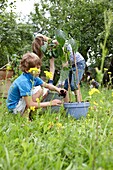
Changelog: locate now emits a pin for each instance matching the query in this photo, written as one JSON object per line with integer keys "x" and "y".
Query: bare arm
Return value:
{"x": 52, "y": 67}
{"x": 30, "y": 102}
{"x": 46, "y": 38}
{"x": 51, "y": 87}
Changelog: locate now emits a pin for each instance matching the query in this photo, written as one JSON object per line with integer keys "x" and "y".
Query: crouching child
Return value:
{"x": 28, "y": 87}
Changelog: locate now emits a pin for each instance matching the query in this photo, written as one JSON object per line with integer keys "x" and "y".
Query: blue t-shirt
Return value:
{"x": 21, "y": 87}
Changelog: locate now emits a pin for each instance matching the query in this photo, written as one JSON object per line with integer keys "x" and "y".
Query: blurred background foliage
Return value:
{"x": 81, "y": 19}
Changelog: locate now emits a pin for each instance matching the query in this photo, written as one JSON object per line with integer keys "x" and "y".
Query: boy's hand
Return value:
{"x": 56, "y": 102}
{"x": 62, "y": 92}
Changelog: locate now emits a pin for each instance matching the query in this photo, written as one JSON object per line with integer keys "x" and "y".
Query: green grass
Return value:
{"x": 57, "y": 142}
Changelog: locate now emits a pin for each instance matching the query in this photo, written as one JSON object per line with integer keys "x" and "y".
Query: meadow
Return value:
{"x": 59, "y": 142}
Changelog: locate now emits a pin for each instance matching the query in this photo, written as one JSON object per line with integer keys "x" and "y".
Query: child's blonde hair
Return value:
{"x": 29, "y": 60}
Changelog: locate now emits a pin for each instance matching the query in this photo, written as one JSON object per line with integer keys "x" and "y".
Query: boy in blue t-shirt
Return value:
{"x": 28, "y": 87}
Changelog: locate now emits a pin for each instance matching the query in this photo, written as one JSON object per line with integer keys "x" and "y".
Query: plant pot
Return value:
{"x": 4, "y": 87}
{"x": 77, "y": 110}
{"x": 6, "y": 74}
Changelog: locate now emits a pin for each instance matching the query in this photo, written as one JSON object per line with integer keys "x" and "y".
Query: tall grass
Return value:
{"x": 57, "y": 142}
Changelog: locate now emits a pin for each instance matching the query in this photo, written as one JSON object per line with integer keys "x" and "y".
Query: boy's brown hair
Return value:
{"x": 29, "y": 60}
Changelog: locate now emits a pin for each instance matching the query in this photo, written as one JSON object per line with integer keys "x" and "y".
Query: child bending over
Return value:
{"x": 28, "y": 87}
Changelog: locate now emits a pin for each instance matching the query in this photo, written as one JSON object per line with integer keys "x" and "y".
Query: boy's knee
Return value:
{"x": 37, "y": 92}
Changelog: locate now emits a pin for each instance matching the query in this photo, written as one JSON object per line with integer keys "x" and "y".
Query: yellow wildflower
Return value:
{"x": 105, "y": 69}
{"x": 51, "y": 124}
{"x": 34, "y": 70}
{"x": 112, "y": 94}
{"x": 32, "y": 108}
{"x": 109, "y": 72}
{"x": 95, "y": 103}
{"x": 91, "y": 107}
{"x": 48, "y": 74}
{"x": 3, "y": 83}
{"x": 88, "y": 115}
{"x": 37, "y": 100}
{"x": 8, "y": 67}
{"x": 93, "y": 90}
{"x": 59, "y": 125}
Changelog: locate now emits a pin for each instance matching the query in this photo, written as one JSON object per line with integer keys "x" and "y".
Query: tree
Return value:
{"x": 81, "y": 19}
{"x": 15, "y": 38}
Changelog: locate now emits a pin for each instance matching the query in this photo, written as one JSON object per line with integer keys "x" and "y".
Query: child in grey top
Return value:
{"x": 77, "y": 62}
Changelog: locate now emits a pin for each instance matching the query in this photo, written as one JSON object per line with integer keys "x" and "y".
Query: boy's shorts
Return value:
{"x": 22, "y": 105}
{"x": 73, "y": 78}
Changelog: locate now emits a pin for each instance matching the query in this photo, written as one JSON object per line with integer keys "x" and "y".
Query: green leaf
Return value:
{"x": 59, "y": 51}
{"x": 44, "y": 47}
{"x": 73, "y": 44}
{"x": 61, "y": 37}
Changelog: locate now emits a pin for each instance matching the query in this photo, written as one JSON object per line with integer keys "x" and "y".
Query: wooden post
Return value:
{"x": 78, "y": 92}
{"x": 69, "y": 91}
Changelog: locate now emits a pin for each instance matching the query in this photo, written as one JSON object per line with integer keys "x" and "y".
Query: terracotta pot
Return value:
{"x": 4, "y": 87}
{"x": 6, "y": 74}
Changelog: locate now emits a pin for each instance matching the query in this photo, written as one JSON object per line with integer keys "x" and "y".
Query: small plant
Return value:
{"x": 58, "y": 49}
{"x": 54, "y": 48}
{"x": 108, "y": 19}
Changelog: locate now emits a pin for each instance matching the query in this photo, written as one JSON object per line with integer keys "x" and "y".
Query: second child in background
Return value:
{"x": 37, "y": 43}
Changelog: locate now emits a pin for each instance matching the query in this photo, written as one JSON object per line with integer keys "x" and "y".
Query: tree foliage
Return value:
{"x": 15, "y": 37}
{"x": 81, "y": 19}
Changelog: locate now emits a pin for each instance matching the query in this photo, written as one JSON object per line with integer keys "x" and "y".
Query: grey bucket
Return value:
{"x": 52, "y": 96}
{"x": 77, "y": 110}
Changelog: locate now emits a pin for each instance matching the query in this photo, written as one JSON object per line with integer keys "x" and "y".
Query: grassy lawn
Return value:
{"x": 59, "y": 142}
